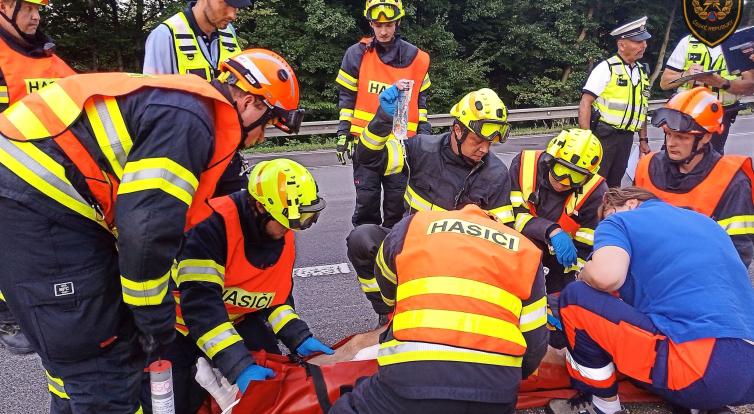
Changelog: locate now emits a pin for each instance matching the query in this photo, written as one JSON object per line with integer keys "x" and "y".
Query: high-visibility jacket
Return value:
{"x": 528, "y": 180}
{"x": 705, "y": 197}
{"x": 375, "y": 76}
{"x": 25, "y": 74}
{"x": 622, "y": 104}
{"x": 50, "y": 113}
{"x": 698, "y": 53}
{"x": 246, "y": 288}
{"x": 188, "y": 56}
{"x": 466, "y": 310}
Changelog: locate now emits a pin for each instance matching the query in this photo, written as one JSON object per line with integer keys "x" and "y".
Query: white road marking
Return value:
{"x": 324, "y": 270}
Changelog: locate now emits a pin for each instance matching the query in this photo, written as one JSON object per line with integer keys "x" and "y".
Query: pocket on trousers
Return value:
{"x": 74, "y": 313}
{"x": 636, "y": 352}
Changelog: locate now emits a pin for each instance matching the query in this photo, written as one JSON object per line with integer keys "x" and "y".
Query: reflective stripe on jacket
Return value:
{"x": 188, "y": 55}
{"x": 622, "y": 104}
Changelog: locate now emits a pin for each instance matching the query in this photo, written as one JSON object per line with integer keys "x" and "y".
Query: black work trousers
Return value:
{"x": 616, "y": 149}
{"x": 362, "y": 245}
{"x": 372, "y": 396}
{"x": 371, "y": 187}
{"x": 62, "y": 282}
{"x": 188, "y": 395}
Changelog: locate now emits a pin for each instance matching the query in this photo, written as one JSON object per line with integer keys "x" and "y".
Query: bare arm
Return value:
{"x": 585, "y": 110}
{"x": 669, "y": 75}
{"x": 743, "y": 86}
{"x": 607, "y": 269}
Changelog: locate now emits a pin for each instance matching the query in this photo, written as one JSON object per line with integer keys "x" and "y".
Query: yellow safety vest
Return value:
{"x": 622, "y": 104}
{"x": 188, "y": 55}
{"x": 698, "y": 53}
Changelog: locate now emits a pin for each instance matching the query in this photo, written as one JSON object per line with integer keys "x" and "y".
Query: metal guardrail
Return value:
{"x": 445, "y": 120}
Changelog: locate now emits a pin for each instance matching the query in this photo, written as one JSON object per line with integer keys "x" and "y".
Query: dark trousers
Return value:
{"x": 362, "y": 244}
{"x": 373, "y": 396}
{"x": 61, "y": 281}
{"x": 616, "y": 149}
{"x": 371, "y": 186}
{"x": 718, "y": 140}
{"x": 5, "y": 315}
{"x": 607, "y": 336}
{"x": 188, "y": 395}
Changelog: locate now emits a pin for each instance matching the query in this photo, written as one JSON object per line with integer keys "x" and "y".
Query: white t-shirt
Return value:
{"x": 600, "y": 77}
{"x": 677, "y": 59}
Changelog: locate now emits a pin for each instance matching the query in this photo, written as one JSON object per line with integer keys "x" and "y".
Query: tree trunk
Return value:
{"x": 569, "y": 68}
{"x": 665, "y": 40}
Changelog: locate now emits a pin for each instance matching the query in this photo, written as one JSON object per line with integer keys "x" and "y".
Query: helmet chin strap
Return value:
{"x": 246, "y": 129}
{"x": 459, "y": 142}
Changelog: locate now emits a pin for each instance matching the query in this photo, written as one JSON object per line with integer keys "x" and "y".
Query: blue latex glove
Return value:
{"x": 253, "y": 372}
{"x": 389, "y": 98}
{"x": 565, "y": 251}
{"x": 312, "y": 345}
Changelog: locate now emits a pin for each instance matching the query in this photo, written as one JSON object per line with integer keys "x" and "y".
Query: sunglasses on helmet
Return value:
{"x": 308, "y": 215}
{"x": 288, "y": 121}
{"x": 568, "y": 174}
{"x": 493, "y": 131}
{"x": 676, "y": 121}
{"x": 387, "y": 10}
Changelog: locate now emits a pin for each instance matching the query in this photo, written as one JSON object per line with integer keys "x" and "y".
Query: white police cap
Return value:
{"x": 635, "y": 30}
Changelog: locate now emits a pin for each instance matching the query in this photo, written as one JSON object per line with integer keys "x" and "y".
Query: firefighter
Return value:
{"x": 235, "y": 275}
{"x": 699, "y": 356}
{"x": 615, "y": 100}
{"x": 555, "y": 197}
{"x": 97, "y": 190}
{"x": 687, "y": 173}
{"x": 368, "y": 67}
{"x": 444, "y": 172}
{"x": 470, "y": 310}
{"x": 27, "y": 63}
{"x": 691, "y": 56}
{"x": 195, "y": 41}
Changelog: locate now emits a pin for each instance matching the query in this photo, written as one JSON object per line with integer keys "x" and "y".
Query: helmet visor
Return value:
{"x": 389, "y": 11}
{"x": 676, "y": 121}
{"x": 568, "y": 174}
{"x": 309, "y": 215}
{"x": 494, "y": 131}
{"x": 287, "y": 121}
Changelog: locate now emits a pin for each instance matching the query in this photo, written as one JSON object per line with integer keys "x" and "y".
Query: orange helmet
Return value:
{"x": 695, "y": 111}
{"x": 266, "y": 74}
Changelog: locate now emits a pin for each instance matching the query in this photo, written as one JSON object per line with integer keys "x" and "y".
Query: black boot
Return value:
{"x": 13, "y": 339}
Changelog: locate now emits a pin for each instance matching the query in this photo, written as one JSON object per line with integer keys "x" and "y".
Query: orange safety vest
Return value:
{"x": 447, "y": 299}
{"x": 25, "y": 74}
{"x": 57, "y": 108}
{"x": 375, "y": 76}
{"x": 248, "y": 288}
{"x": 574, "y": 202}
{"x": 705, "y": 197}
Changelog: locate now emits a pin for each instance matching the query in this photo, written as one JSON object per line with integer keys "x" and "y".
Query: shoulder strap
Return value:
{"x": 320, "y": 386}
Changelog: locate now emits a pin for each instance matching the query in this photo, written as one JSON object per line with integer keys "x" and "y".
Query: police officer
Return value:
{"x": 235, "y": 275}
{"x": 368, "y": 68}
{"x": 91, "y": 157}
{"x": 691, "y": 56}
{"x": 687, "y": 173}
{"x": 470, "y": 309}
{"x": 555, "y": 197}
{"x": 681, "y": 325}
{"x": 445, "y": 172}
{"x": 615, "y": 98}
{"x": 196, "y": 40}
{"x": 27, "y": 63}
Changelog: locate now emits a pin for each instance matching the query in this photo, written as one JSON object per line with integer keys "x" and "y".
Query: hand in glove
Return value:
{"x": 565, "y": 250}
{"x": 253, "y": 372}
{"x": 312, "y": 345}
{"x": 344, "y": 148}
{"x": 389, "y": 98}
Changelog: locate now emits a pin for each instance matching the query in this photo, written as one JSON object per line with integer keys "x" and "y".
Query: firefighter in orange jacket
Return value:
{"x": 27, "y": 63}
{"x": 97, "y": 189}
{"x": 235, "y": 275}
{"x": 469, "y": 318}
{"x": 686, "y": 173}
{"x": 555, "y": 197}
{"x": 368, "y": 68}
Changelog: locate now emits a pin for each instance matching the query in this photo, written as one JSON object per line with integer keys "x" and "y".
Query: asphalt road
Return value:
{"x": 327, "y": 295}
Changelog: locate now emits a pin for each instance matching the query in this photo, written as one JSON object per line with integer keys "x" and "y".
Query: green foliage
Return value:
{"x": 533, "y": 53}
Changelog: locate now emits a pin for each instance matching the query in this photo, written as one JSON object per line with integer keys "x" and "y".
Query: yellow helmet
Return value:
{"x": 39, "y": 2}
{"x": 287, "y": 191}
{"x": 383, "y": 11}
{"x": 484, "y": 114}
{"x": 576, "y": 156}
